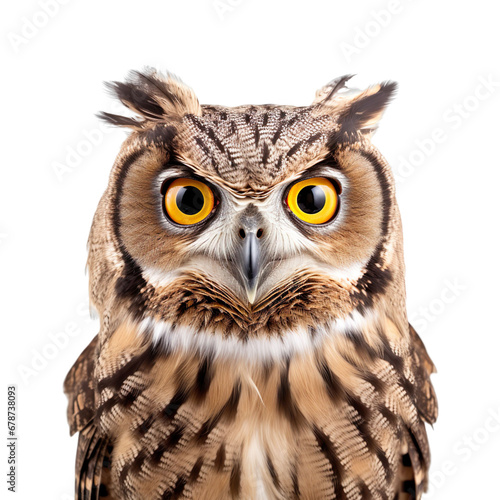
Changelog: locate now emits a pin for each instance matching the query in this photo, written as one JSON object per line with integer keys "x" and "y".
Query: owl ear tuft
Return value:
{"x": 357, "y": 111}
{"x": 326, "y": 94}
{"x": 154, "y": 97}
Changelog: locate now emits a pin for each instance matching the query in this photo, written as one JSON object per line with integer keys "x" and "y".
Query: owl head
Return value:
{"x": 258, "y": 227}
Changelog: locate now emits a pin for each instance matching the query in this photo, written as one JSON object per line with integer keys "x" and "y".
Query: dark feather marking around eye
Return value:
{"x": 183, "y": 170}
{"x": 385, "y": 186}
{"x": 376, "y": 279}
{"x": 131, "y": 282}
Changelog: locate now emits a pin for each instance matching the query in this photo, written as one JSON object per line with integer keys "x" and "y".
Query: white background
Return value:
{"x": 253, "y": 51}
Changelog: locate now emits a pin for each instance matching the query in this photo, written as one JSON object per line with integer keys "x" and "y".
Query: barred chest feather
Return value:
{"x": 340, "y": 420}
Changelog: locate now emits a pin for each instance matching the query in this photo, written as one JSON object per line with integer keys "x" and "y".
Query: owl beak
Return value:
{"x": 251, "y": 264}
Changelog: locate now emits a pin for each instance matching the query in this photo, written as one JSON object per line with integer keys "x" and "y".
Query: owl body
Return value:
{"x": 246, "y": 264}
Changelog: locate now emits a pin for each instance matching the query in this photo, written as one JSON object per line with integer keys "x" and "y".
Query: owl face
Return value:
{"x": 248, "y": 221}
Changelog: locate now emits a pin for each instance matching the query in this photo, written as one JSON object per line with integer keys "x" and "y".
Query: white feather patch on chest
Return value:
{"x": 254, "y": 349}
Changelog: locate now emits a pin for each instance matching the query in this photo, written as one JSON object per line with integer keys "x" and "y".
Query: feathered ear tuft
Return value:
{"x": 330, "y": 90}
{"x": 357, "y": 111}
{"x": 153, "y": 96}
{"x": 364, "y": 111}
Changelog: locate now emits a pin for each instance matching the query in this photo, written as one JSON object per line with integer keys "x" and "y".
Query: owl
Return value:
{"x": 247, "y": 267}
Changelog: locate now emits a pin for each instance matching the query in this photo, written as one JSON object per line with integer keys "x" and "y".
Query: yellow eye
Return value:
{"x": 188, "y": 201}
{"x": 314, "y": 201}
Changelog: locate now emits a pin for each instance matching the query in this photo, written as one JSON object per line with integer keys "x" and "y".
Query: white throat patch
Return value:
{"x": 254, "y": 350}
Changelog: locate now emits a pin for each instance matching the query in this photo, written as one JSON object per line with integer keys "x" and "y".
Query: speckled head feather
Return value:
{"x": 293, "y": 375}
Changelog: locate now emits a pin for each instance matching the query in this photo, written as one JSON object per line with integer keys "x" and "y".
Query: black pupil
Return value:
{"x": 189, "y": 200}
{"x": 311, "y": 199}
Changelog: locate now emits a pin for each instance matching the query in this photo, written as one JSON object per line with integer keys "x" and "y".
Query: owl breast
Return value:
{"x": 207, "y": 427}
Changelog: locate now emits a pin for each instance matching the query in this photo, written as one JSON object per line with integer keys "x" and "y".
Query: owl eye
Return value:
{"x": 188, "y": 201}
{"x": 314, "y": 200}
